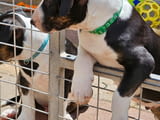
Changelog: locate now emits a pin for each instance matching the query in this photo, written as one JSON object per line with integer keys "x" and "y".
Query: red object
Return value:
{"x": 27, "y": 6}
{"x": 12, "y": 115}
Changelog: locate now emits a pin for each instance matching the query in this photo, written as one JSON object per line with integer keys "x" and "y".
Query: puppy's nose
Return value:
{"x": 32, "y": 22}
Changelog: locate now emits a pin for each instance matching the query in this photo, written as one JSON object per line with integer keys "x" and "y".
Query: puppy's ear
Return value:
{"x": 19, "y": 33}
{"x": 5, "y": 33}
{"x": 21, "y": 11}
{"x": 65, "y": 7}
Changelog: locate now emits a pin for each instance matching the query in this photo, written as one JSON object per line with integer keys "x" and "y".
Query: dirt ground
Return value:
{"x": 7, "y": 73}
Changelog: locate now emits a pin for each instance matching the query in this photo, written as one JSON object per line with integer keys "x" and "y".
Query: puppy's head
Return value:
{"x": 59, "y": 14}
{"x": 10, "y": 35}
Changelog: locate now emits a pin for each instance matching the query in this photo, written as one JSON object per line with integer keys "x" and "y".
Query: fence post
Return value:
{"x": 55, "y": 85}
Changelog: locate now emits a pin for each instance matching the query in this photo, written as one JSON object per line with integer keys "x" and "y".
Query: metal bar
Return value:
{"x": 24, "y": 48}
{"x": 16, "y": 26}
{"x": 16, "y": 65}
{"x": 25, "y": 106}
{"x": 21, "y": 86}
{"x": 112, "y": 73}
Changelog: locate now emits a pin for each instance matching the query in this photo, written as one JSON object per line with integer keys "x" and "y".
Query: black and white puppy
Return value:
{"x": 129, "y": 40}
{"x": 23, "y": 40}
{"x": 8, "y": 53}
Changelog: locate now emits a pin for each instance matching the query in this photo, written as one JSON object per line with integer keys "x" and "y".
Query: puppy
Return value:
{"x": 109, "y": 30}
{"x": 28, "y": 77}
{"x": 23, "y": 39}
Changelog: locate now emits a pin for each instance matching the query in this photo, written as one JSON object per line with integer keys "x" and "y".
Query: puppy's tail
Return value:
{"x": 11, "y": 101}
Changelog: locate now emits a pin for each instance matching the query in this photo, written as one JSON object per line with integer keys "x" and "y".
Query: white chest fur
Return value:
{"x": 98, "y": 48}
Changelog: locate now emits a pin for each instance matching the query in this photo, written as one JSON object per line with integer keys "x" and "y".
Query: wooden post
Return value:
{"x": 55, "y": 84}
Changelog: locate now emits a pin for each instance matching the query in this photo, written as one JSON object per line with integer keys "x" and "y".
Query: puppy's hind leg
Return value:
{"x": 138, "y": 64}
{"x": 28, "y": 102}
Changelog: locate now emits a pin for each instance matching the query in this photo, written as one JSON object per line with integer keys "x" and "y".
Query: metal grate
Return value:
{"x": 8, "y": 85}
{"x": 59, "y": 60}
{"x": 98, "y": 105}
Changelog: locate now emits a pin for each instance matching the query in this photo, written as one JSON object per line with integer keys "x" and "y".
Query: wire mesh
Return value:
{"x": 14, "y": 67}
{"x": 58, "y": 61}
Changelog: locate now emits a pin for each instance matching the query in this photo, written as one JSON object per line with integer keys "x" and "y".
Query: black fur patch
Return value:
{"x": 72, "y": 109}
{"x": 7, "y": 34}
{"x": 22, "y": 81}
{"x": 132, "y": 40}
{"x": 19, "y": 112}
{"x": 65, "y": 7}
{"x": 52, "y": 20}
{"x": 28, "y": 65}
{"x": 134, "y": 32}
{"x": 38, "y": 106}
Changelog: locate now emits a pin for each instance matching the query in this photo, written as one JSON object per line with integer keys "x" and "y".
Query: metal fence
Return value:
{"x": 59, "y": 60}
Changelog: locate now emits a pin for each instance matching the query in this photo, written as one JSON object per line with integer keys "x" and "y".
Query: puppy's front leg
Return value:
{"x": 138, "y": 64}
{"x": 27, "y": 113}
{"x": 81, "y": 89}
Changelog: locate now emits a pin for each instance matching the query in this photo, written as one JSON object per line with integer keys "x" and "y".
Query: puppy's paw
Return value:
{"x": 8, "y": 113}
{"x": 72, "y": 110}
{"x": 81, "y": 91}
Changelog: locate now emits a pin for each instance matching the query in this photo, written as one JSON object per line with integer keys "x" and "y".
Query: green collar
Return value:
{"x": 102, "y": 29}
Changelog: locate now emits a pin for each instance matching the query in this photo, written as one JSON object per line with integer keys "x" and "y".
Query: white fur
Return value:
{"x": 126, "y": 10}
{"x": 38, "y": 81}
{"x": 120, "y": 106}
{"x": 93, "y": 47}
{"x": 99, "y": 11}
{"x": 67, "y": 116}
{"x": 6, "y": 112}
{"x": 27, "y": 112}
{"x": 81, "y": 84}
